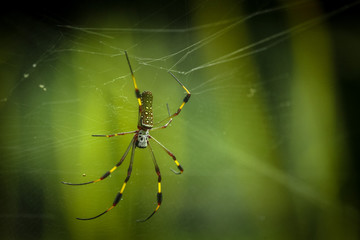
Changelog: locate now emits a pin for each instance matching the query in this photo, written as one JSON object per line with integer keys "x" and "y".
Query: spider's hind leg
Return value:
{"x": 137, "y": 91}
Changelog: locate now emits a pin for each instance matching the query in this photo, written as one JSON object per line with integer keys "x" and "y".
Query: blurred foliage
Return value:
{"x": 264, "y": 139}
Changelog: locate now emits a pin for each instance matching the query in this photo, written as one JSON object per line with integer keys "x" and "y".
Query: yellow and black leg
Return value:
{"x": 171, "y": 155}
{"x": 185, "y": 100}
{"x": 120, "y": 193}
{"x": 111, "y": 170}
{"x": 137, "y": 91}
{"x": 161, "y": 127}
{"x": 166, "y": 124}
{"x": 159, "y": 193}
{"x": 114, "y": 134}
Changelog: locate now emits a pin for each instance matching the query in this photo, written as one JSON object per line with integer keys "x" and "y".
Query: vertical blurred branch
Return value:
{"x": 317, "y": 148}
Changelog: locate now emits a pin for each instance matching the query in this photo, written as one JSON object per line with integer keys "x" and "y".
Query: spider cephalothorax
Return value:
{"x": 141, "y": 140}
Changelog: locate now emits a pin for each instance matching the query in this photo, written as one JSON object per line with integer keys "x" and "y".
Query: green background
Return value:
{"x": 267, "y": 140}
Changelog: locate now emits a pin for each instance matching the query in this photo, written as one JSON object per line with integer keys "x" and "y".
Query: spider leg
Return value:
{"x": 186, "y": 98}
{"x": 119, "y": 194}
{"x": 159, "y": 193}
{"x": 168, "y": 109}
{"x": 171, "y": 155}
{"x": 167, "y": 124}
{"x": 111, "y": 170}
{"x": 164, "y": 126}
{"x": 114, "y": 134}
{"x": 137, "y": 92}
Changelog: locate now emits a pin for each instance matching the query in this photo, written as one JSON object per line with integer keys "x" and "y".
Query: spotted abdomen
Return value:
{"x": 146, "y": 112}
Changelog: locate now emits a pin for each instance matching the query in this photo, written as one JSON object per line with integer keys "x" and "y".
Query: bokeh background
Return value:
{"x": 269, "y": 139}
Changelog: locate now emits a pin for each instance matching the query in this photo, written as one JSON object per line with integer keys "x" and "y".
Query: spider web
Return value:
{"x": 263, "y": 139}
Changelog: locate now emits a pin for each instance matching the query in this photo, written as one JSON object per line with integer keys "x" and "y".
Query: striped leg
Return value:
{"x": 120, "y": 193}
{"x": 167, "y": 124}
{"x": 114, "y": 134}
{"x": 171, "y": 155}
{"x": 159, "y": 193}
{"x": 137, "y": 92}
{"x": 186, "y": 98}
{"x": 111, "y": 170}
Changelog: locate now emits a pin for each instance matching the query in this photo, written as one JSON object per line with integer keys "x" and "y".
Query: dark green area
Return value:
{"x": 268, "y": 140}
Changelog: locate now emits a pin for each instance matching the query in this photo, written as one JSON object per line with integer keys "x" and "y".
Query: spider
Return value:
{"x": 141, "y": 140}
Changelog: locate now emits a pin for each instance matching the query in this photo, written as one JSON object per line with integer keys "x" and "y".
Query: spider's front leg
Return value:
{"x": 159, "y": 193}
{"x": 111, "y": 170}
{"x": 120, "y": 193}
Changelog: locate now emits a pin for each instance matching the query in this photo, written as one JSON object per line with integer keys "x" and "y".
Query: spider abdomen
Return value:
{"x": 146, "y": 112}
